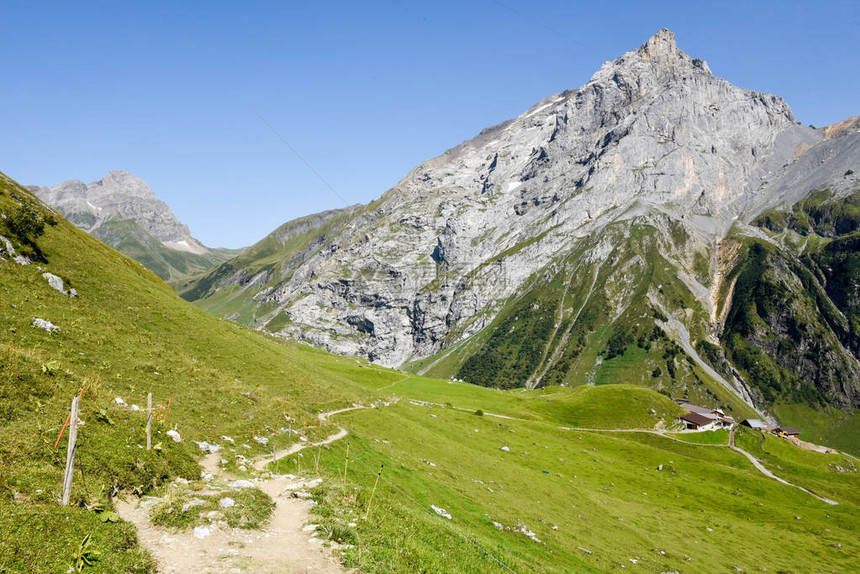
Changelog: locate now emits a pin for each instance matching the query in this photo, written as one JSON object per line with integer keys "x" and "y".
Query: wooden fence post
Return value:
{"x": 149, "y": 421}
{"x": 70, "y": 452}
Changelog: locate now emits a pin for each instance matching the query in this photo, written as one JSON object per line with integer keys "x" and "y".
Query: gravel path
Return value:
{"x": 285, "y": 545}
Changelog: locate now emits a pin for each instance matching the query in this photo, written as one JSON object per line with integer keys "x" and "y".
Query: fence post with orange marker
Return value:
{"x": 166, "y": 410}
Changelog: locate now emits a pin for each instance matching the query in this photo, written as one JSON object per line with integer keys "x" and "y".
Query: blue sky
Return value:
{"x": 363, "y": 90}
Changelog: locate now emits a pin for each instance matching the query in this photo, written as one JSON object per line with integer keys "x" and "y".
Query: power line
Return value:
{"x": 298, "y": 155}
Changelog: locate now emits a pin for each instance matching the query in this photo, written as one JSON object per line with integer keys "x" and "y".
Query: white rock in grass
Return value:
{"x": 504, "y": 448}
{"x": 57, "y": 283}
{"x": 191, "y": 504}
{"x": 440, "y": 511}
{"x": 174, "y": 435}
{"x": 46, "y": 325}
{"x": 226, "y": 502}
{"x": 241, "y": 484}
{"x": 119, "y": 401}
{"x": 261, "y": 439}
{"x": 201, "y": 532}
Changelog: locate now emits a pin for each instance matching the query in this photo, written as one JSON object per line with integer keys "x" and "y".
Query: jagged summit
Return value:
{"x": 660, "y": 46}
{"x": 119, "y": 179}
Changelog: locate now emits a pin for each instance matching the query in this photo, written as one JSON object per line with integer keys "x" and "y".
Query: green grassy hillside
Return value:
{"x": 593, "y": 500}
{"x": 175, "y": 267}
{"x": 126, "y": 334}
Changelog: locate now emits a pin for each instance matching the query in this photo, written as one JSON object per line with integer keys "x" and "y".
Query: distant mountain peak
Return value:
{"x": 119, "y": 195}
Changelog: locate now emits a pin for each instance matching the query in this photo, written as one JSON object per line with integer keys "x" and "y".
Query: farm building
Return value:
{"x": 698, "y": 421}
{"x": 717, "y": 417}
{"x": 789, "y": 431}
{"x": 754, "y": 424}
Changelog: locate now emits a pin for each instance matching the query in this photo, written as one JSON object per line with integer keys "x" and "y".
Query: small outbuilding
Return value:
{"x": 696, "y": 421}
{"x": 754, "y": 424}
{"x": 789, "y": 431}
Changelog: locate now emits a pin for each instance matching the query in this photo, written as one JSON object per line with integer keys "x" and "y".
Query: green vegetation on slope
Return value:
{"x": 172, "y": 265}
{"x": 126, "y": 334}
{"x": 558, "y": 500}
{"x": 580, "y": 321}
{"x": 817, "y": 213}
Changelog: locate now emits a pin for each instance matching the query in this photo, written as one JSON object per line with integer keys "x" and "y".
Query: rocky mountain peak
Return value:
{"x": 119, "y": 195}
{"x": 652, "y": 135}
{"x": 660, "y": 46}
{"x": 121, "y": 182}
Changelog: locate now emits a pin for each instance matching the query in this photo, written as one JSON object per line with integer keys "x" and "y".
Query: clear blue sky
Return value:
{"x": 363, "y": 90}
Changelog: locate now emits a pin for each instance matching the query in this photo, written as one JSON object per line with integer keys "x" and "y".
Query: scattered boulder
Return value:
{"x": 210, "y": 448}
{"x": 504, "y": 448}
{"x": 119, "y": 401}
{"x": 9, "y": 250}
{"x": 226, "y": 502}
{"x": 57, "y": 283}
{"x": 441, "y": 511}
{"x": 524, "y": 529}
{"x": 241, "y": 484}
{"x": 46, "y": 325}
{"x": 174, "y": 435}
{"x": 19, "y": 259}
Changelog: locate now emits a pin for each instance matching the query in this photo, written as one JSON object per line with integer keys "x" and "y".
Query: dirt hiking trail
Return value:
{"x": 287, "y": 544}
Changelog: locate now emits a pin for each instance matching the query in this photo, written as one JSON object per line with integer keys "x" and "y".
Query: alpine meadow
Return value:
{"x": 619, "y": 332}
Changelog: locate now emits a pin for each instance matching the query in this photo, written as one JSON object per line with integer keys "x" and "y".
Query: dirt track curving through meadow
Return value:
{"x": 284, "y": 545}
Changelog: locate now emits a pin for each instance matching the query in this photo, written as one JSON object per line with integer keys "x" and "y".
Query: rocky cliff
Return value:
{"x": 602, "y": 235}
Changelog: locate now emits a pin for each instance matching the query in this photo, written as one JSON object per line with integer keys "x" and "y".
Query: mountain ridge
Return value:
{"x": 598, "y": 203}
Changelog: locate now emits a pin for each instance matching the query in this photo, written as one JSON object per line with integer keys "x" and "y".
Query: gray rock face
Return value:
{"x": 119, "y": 195}
{"x": 653, "y": 133}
